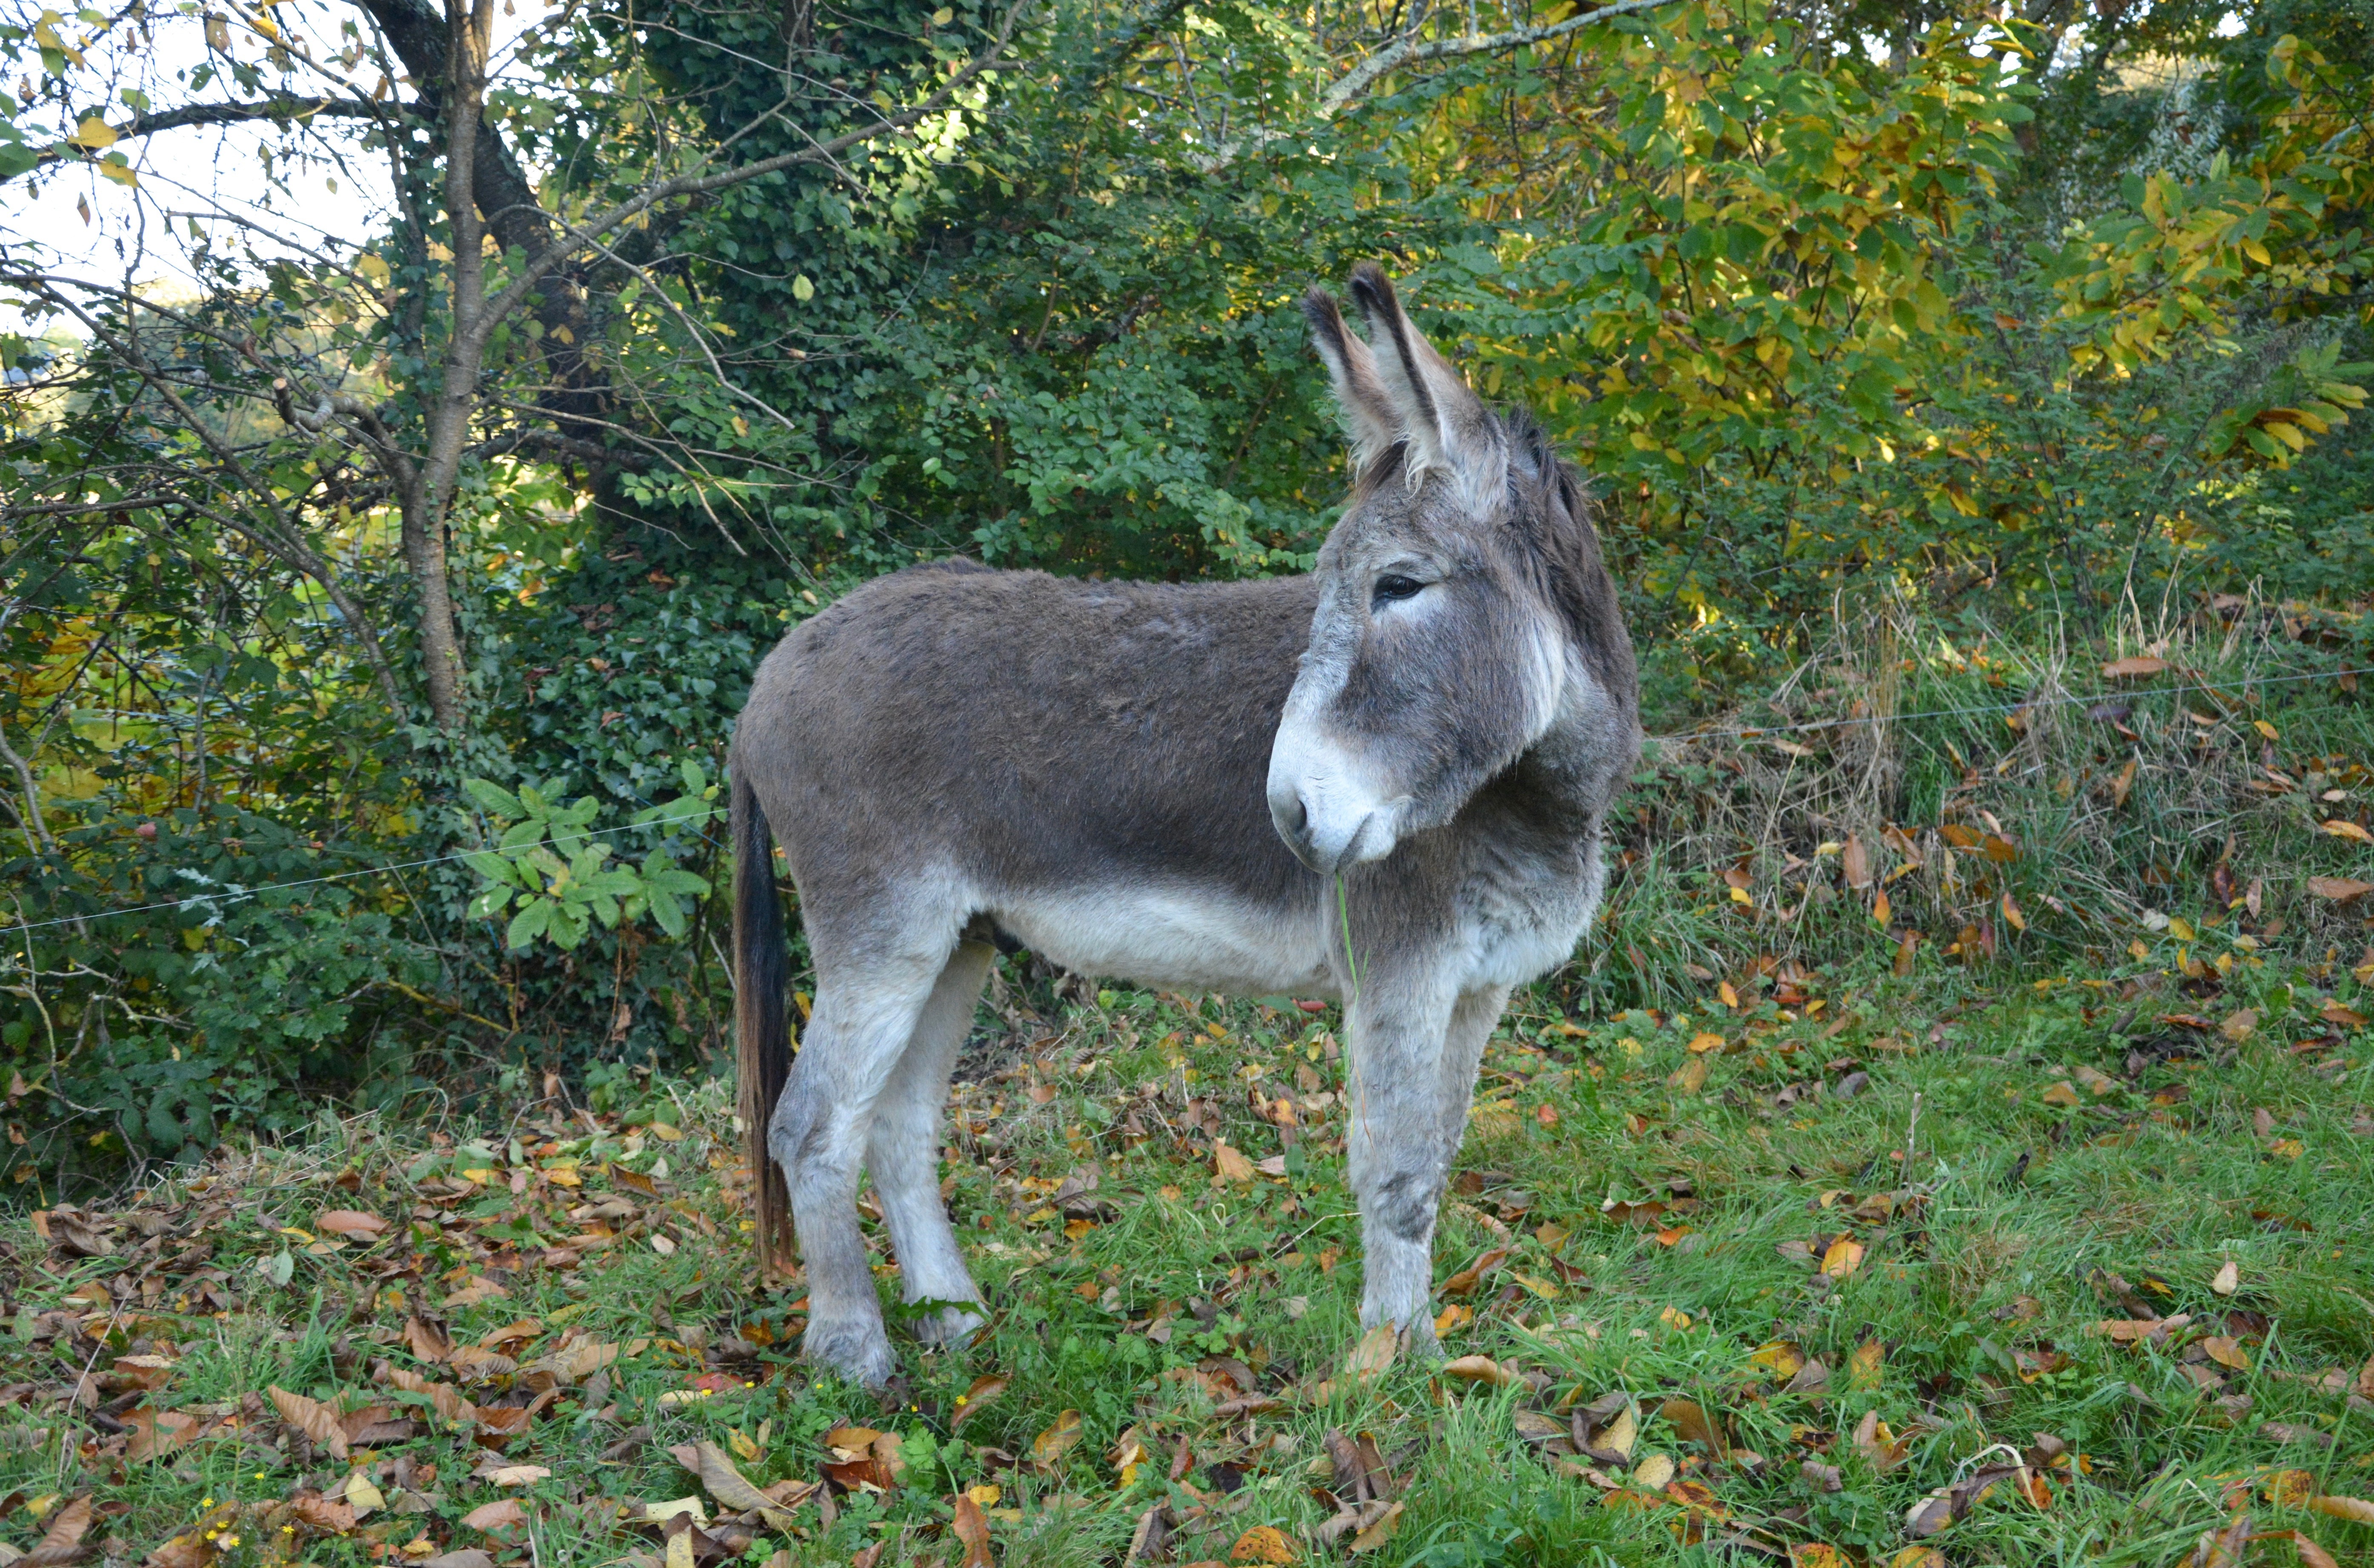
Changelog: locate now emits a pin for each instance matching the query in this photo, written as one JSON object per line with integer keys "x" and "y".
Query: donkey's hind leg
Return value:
{"x": 865, "y": 1014}
{"x": 904, "y": 1151}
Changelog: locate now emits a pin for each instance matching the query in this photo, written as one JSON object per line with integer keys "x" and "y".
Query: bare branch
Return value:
{"x": 1408, "y": 50}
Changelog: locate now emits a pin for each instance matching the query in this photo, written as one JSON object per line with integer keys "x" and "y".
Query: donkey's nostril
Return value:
{"x": 1297, "y": 815}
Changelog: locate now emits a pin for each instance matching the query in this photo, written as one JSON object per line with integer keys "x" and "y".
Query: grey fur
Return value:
{"x": 1114, "y": 771}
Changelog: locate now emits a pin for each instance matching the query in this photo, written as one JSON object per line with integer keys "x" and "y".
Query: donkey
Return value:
{"x": 1381, "y": 783}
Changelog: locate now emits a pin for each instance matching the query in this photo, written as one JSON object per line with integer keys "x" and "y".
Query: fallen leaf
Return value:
{"x": 1263, "y": 1543}
{"x": 1782, "y": 1358}
{"x": 1863, "y": 1364}
{"x": 1814, "y": 1554}
{"x": 2355, "y": 1509}
{"x": 2291, "y": 1488}
{"x": 2062, "y": 1094}
{"x": 1379, "y": 1532}
{"x": 972, "y": 1531}
{"x": 1479, "y": 1368}
{"x": 1918, "y": 1557}
{"x": 1691, "y": 1076}
{"x": 722, "y": 1481}
{"x": 2225, "y": 1352}
{"x": 1055, "y": 1442}
{"x": 1854, "y": 864}
{"x": 501, "y": 1514}
{"x": 62, "y": 1542}
{"x": 1230, "y": 1164}
{"x": 1467, "y": 1278}
{"x": 427, "y": 1341}
{"x": 2343, "y": 828}
{"x": 363, "y": 1495}
{"x": 2239, "y": 1026}
{"x": 1689, "y": 1418}
{"x": 1842, "y": 1258}
{"x": 1652, "y": 1472}
{"x": 350, "y": 1222}
{"x": 2133, "y": 666}
{"x": 323, "y": 1515}
{"x": 984, "y": 1388}
{"x": 517, "y": 1475}
{"x": 1374, "y": 1354}
{"x": 313, "y": 1417}
{"x": 2229, "y": 1278}
{"x": 2340, "y": 890}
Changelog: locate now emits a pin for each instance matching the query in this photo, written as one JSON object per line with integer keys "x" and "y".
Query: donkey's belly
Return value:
{"x": 1182, "y": 939}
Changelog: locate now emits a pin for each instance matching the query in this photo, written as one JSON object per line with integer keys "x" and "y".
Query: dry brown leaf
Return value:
{"x": 2340, "y": 890}
{"x": 1055, "y": 1442}
{"x": 1467, "y": 1278}
{"x": 1230, "y": 1164}
{"x": 324, "y": 1515}
{"x": 1689, "y": 1418}
{"x": 313, "y": 1417}
{"x": 2133, "y": 666}
{"x": 427, "y": 1340}
{"x": 1690, "y": 1077}
{"x": 350, "y": 1222}
{"x": 1479, "y": 1368}
{"x": 1854, "y": 864}
{"x": 2239, "y": 1026}
{"x": 2226, "y": 1352}
{"x": 2064, "y": 1094}
{"x": 2311, "y": 1554}
{"x": 984, "y": 1389}
{"x": 2228, "y": 1280}
{"x": 501, "y": 1514}
{"x": 1374, "y": 1354}
{"x": 2355, "y": 1509}
{"x": 1380, "y": 1531}
{"x": 972, "y": 1531}
{"x": 62, "y": 1542}
{"x": 724, "y": 1482}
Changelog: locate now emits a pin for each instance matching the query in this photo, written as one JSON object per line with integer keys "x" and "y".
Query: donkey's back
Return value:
{"x": 1081, "y": 762}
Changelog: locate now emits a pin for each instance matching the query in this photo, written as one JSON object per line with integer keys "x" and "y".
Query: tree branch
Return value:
{"x": 1407, "y": 50}
{"x": 499, "y": 307}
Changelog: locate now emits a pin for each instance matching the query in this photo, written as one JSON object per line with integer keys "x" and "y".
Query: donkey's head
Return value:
{"x": 1457, "y": 598}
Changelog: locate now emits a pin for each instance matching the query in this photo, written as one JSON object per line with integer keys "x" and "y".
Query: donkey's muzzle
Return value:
{"x": 1291, "y": 816}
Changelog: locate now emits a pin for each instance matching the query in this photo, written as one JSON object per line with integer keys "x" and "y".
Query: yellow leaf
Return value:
{"x": 93, "y": 133}
{"x": 1706, "y": 1043}
{"x": 2343, "y": 828}
{"x": 1674, "y": 1317}
{"x": 2229, "y": 1278}
{"x": 1231, "y": 1164}
{"x": 121, "y": 173}
{"x": 1784, "y": 1358}
{"x": 2181, "y": 929}
{"x": 1263, "y": 1543}
{"x": 1056, "y": 1441}
{"x": 1692, "y": 1075}
{"x": 1880, "y": 908}
{"x": 1844, "y": 1257}
{"x": 1730, "y": 997}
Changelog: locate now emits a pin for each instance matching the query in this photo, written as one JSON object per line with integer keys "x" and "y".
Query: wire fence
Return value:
{"x": 236, "y": 894}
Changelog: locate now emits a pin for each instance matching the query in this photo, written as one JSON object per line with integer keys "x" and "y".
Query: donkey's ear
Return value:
{"x": 1445, "y": 422}
{"x": 1368, "y": 415}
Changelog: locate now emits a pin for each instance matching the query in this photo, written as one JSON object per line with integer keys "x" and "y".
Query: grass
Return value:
{"x": 2075, "y": 1160}
{"x": 2034, "y": 1201}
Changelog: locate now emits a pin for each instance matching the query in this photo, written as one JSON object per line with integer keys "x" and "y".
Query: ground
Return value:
{"x": 1942, "y": 1268}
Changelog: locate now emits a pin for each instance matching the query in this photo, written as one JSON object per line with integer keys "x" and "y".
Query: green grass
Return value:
{"x": 1967, "y": 1326}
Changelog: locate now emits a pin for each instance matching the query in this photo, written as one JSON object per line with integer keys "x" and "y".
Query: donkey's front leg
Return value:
{"x": 1406, "y": 1049}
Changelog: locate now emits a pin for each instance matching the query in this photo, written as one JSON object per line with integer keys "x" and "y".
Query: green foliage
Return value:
{"x": 548, "y": 867}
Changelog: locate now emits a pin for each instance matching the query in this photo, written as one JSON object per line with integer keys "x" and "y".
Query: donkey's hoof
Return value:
{"x": 856, "y": 1349}
{"x": 951, "y": 1325}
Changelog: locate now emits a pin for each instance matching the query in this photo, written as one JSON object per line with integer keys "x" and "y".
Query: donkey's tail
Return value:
{"x": 761, "y": 1026}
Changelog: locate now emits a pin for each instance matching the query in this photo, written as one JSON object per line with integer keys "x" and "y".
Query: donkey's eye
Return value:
{"x": 1392, "y": 588}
